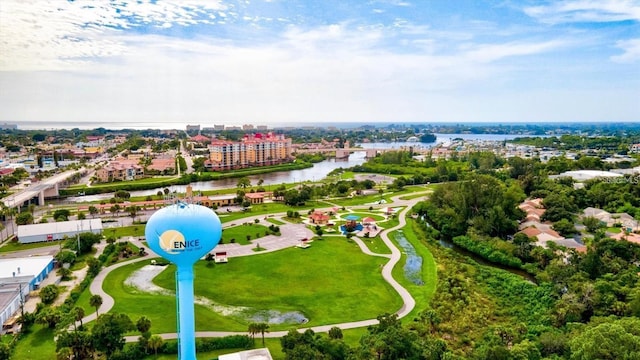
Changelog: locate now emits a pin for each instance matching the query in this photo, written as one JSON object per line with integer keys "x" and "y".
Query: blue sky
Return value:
{"x": 311, "y": 62}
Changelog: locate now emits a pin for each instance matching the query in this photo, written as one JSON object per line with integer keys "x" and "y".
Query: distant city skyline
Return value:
{"x": 168, "y": 63}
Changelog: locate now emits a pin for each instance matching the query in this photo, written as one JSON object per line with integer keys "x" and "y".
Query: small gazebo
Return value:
{"x": 352, "y": 221}
{"x": 368, "y": 221}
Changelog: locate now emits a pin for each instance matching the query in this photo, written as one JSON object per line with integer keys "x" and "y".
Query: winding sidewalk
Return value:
{"x": 291, "y": 233}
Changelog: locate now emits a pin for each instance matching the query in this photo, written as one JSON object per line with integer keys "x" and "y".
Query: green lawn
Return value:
{"x": 614, "y": 230}
{"x": 357, "y": 200}
{"x": 376, "y": 245}
{"x": 333, "y": 281}
{"x": 83, "y": 302}
{"x": 16, "y": 246}
{"x": 152, "y": 180}
{"x": 240, "y": 232}
{"x": 118, "y": 232}
{"x": 275, "y": 221}
{"x": 261, "y": 209}
{"x": 160, "y": 309}
{"x": 377, "y": 217}
{"x": 37, "y": 345}
{"x": 416, "y": 196}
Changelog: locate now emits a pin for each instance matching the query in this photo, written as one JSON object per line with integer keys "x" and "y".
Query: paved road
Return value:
{"x": 45, "y": 250}
{"x": 291, "y": 234}
{"x": 19, "y": 198}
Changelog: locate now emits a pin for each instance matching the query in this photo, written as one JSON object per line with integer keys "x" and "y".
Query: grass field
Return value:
{"x": 37, "y": 345}
{"x": 118, "y": 232}
{"x": 330, "y": 282}
{"x": 423, "y": 196}
{"x": 16, "y": 246}
{"x": 261, "y": 209}
{"x": 240, "y": 232}
{"x": 275, "y": 221}
{"x": 153, "y": 180}
{"x": 333, "y": 281}
{"x": 376, "y": 245}
{"x": 160, "y": 309}
{"x": 358, "y": 200}
{"x": 362, "y": 215}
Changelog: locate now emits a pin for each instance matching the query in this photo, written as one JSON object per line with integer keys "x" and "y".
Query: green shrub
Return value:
{"x": 49, "y": 293}
{"x": 487, "y": 250}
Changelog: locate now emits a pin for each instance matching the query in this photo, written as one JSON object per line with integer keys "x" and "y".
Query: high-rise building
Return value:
{"x": 252, "y": 150}
{"x": 193, "y": 128}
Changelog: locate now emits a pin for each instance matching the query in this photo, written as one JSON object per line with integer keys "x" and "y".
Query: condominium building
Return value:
{"x": 252, "y": 150}
{"x": 116, "y": 170}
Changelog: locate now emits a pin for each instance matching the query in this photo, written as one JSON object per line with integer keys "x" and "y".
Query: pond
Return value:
{"x": 413, "y": 265}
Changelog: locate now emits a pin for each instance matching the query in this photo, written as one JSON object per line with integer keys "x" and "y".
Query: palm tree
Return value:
{"x": 78, "y": 313}
{"x": 253, "y": 330}
{"x": 262, "y": 328}
{"x": 154, "y": 343}
{"x": 95, "y": 301}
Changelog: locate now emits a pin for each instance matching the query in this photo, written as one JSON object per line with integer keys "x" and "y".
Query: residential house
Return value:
{"x": 162, "y": 166}
{"x": 120, "y": 171}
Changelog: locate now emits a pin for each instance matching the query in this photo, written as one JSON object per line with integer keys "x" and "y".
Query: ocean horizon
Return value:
{"x": 144, "y": 125}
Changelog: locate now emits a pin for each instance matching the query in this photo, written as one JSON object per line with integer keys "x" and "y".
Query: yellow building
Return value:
{"x": 253, "y": 150}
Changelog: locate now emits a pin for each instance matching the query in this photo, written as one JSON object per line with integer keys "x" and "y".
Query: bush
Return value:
{"x": 211, "y": 344}
{"x": 49, "y": 293}
{"x": 488, "y": 251}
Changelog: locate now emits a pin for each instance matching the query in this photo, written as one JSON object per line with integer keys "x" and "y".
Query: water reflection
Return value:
{"x": 315, "y": 173}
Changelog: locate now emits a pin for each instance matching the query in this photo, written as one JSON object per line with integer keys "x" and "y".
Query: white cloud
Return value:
{"x": 53, "y": 35}
{"x": 89, "y": 67}
{"x": 492, "y": 52}
{"x": 631, "y": 50}
{"x": 393, "y": 2}
{"x": 586, "y": 11}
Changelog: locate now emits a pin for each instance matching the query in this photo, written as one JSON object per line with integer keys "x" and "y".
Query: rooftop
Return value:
{"x": 59, "y": 227}
{"x": 30, "y": 266}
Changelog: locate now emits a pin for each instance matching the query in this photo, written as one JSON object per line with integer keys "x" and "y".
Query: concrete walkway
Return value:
{"x": 291, "y": 234}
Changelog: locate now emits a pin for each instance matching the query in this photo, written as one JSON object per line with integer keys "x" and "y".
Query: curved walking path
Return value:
{"x": 291, "y": 234}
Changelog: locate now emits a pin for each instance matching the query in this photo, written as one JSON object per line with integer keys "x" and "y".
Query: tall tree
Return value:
{"x": 96, "y": 301}
{"x": 93, "y": 210}
{"x": 244, "y": 182}
{"x": 262, "y": 328}
{"x": 78, "y": 315}
{"x": 107, "y": 333}
{"x": 79, "y": 342}
{"x": 155, "y": 342}
{"x": 143, "y": 325}
{"x": 618, "y": 339}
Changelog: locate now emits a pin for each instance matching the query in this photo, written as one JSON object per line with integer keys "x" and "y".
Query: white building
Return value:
{"x": 18, "y": 277}
{"x": 254, "y": 354}
{"x": 57, "y": 230}
{"x": 584, "y": 175}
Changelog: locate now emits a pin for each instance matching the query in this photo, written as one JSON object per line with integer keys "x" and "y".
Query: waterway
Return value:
{"x": 315, "y": 173}
{"x": 444, "y": 139}
{"x": 270, "y": 180}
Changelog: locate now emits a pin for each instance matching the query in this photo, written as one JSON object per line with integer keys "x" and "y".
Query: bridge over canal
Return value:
{"x": 37, "y": 193}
